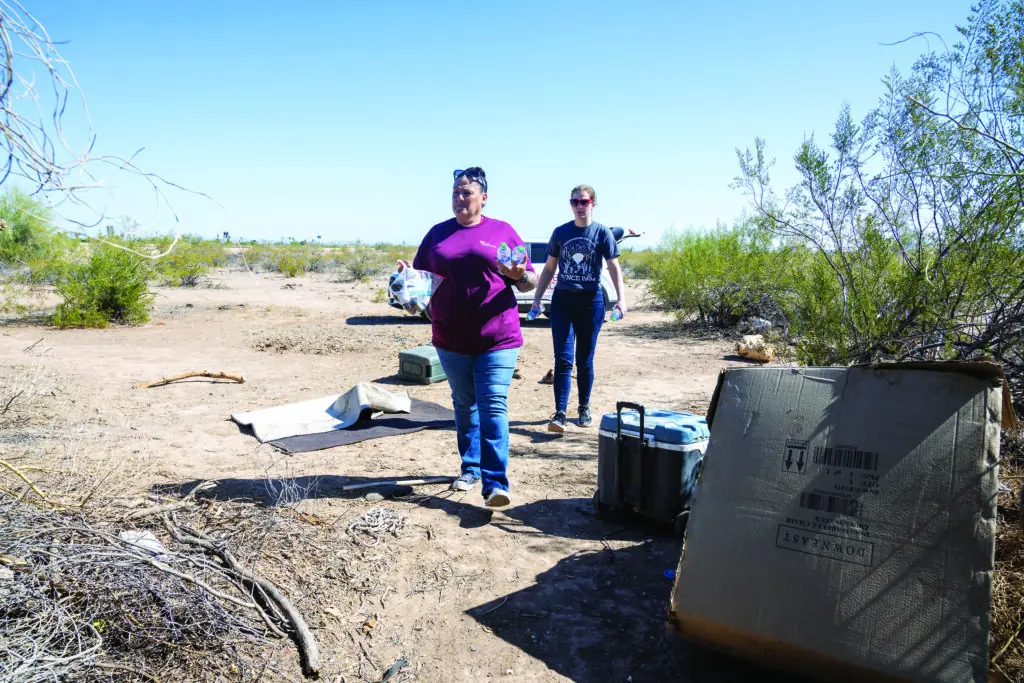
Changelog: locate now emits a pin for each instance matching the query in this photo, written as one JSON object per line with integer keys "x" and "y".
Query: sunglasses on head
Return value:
{"x": 581, "y": 202}
{"x": 473, "y": 177}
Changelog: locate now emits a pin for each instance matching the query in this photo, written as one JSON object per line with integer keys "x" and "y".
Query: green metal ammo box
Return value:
{"x": 421, "y": 365}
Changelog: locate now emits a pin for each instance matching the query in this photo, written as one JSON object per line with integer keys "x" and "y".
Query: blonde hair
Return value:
{"x": 580, "y": 189}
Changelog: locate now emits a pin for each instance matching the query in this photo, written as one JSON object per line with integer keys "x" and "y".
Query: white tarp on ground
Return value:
{"x": 325, "y": 414}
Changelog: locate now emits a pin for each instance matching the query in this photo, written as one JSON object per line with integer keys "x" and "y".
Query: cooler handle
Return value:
{"x": 618, "y": 418}
{"x": 619, "y": 405}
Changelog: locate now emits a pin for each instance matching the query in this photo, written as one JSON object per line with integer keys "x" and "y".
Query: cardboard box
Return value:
{"x": 843, "y": 527}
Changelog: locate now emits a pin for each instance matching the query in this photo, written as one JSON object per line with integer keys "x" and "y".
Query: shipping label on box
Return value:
{"x": 837, "y": 482}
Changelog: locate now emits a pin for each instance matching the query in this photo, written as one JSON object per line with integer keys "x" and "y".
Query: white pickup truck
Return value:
{"x": 538, "y": 250}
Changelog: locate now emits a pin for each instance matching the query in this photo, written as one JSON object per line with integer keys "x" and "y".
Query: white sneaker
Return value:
{"x": 497, "y": 498}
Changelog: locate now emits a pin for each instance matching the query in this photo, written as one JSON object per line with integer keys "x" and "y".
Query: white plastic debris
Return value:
{"x": 146, "y": 541}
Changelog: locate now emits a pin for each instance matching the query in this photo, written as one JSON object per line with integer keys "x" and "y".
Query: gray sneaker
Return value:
{"x": 585, "y": 419}
{"x": 557, "y": 423}
{"x": 465, "y": 482}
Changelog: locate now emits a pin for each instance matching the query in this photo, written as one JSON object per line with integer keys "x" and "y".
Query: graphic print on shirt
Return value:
{"x": 578, "y": 261}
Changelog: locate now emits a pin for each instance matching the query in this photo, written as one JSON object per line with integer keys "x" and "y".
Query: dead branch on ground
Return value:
{"x": 186, "y": 375}
{"x": 265, "y": 589}
{"x": 170, "y": 507}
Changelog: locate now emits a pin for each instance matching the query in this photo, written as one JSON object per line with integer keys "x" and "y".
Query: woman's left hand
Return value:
{"x": 515, "y": 273}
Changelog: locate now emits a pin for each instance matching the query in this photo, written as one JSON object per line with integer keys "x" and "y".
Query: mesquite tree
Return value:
{"x": 914, "y": 216}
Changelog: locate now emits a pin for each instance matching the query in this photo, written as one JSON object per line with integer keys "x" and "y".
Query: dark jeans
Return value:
{"x": 575, "y": 317}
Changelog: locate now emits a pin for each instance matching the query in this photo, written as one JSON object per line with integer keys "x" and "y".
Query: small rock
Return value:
{"x": 508, "y": 672}
{"x": 373, "y": 496}
{"x": 333, "y": 611}
{"x": 369, "y": 625}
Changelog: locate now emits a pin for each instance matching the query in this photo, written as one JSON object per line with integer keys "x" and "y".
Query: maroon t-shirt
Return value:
{"x": 474, "y": 310}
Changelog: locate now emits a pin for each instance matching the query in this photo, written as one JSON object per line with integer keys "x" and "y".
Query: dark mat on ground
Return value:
{"x": 423, "y": 415}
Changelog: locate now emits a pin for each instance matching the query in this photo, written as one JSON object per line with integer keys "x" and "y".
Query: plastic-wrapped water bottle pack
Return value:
{"x": 413, "y": 288}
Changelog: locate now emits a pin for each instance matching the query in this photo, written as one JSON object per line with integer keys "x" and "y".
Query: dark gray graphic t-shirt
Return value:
{"x": 580, "y": 253}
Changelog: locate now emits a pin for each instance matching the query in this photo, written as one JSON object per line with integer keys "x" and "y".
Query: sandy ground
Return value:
{"x": 542, "y": 591}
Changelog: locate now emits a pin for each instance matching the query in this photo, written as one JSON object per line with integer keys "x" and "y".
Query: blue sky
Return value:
{"x": 345, "y": 119}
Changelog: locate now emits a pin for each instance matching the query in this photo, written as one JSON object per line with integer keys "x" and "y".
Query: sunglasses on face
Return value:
{"x": 581, "y": 202}
{"x": 473, "y": 177}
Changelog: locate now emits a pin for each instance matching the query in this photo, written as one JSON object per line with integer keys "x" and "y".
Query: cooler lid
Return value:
{"x": 666, "y": 426}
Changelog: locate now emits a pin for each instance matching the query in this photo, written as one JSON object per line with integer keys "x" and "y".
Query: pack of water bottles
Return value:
{"x": 413, "y": 288}
{"x": 510, "y": 257}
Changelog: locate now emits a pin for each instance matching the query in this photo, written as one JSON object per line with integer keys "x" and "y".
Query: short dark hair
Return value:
{"x": 475, "y": 174}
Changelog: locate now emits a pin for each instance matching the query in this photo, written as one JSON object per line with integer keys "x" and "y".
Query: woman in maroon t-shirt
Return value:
{"x": 476, "y": 331}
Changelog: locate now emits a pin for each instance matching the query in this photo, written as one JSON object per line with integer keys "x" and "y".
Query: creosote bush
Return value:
{"x": 103, "y": 284}
{"x": 721, "y": 277}
{"x": 360, "y": 261}
{"x": 188, "y": 262}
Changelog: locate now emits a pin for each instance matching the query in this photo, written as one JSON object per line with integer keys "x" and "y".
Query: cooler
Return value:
{"x": 655, "y": 475}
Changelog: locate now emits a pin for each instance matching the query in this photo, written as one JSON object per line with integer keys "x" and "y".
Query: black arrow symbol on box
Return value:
{"x": 800, "y": 462}
{"x": 789, "y": 458}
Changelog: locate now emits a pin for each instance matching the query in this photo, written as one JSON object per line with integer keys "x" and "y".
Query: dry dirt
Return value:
{"x": 542, "y": 591}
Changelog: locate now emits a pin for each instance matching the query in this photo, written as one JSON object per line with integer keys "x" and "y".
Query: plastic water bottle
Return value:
{"x": 616, "y": 314}
{"x": 519, "y": 254}
{"x": 504, "y": 254}
{"x": 533, "y": 314}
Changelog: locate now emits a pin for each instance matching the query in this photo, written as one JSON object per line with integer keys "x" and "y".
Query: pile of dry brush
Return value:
{"x": 1005, "y": 646}
{"x": 92, "y": 596}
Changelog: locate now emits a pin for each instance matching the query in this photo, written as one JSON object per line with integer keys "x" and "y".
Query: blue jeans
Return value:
{"x": 575, "y": 316}
{"x": 480, "y": 396}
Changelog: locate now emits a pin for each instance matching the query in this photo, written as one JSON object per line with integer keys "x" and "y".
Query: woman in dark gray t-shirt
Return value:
{"x": 577, "y": 250}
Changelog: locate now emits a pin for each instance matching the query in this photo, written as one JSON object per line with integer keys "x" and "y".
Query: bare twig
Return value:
{"x": 186, "y": 375}
{"x": 107, "y": 666}
{"x": 209, "y": 589}
{"x": 362, "y": 646}
{"x": 11, "y": 400}
{"x": 495, "y": 608}
{"x": 169, "y": 507}
{"x": 31, "y": 484}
